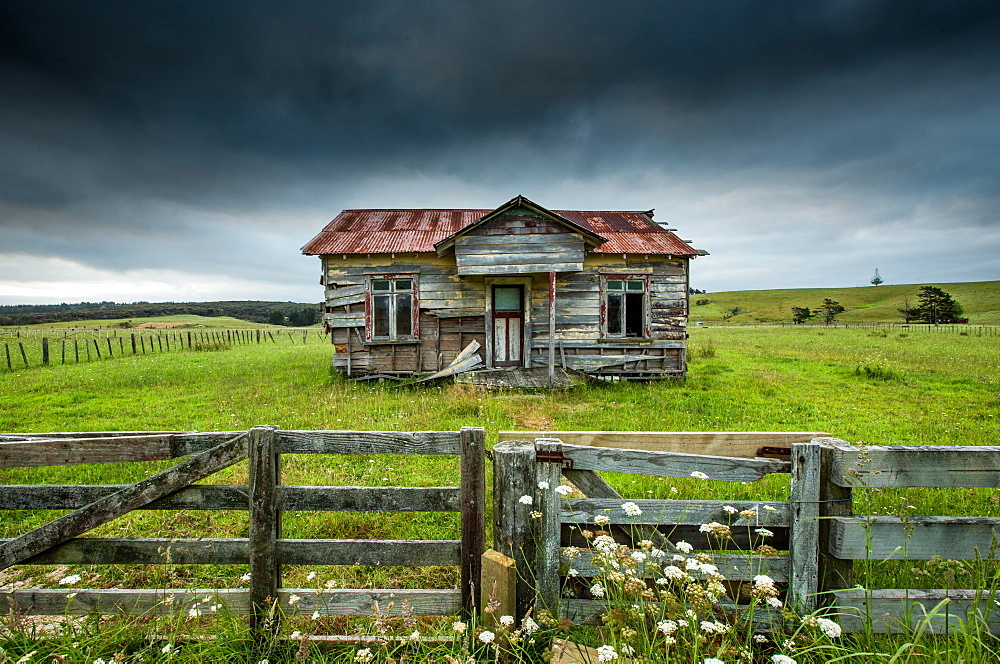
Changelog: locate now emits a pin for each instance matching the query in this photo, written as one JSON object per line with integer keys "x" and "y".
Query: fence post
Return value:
{"x": 473, "y": 491}
{"x": 24, "y": 356}
{"x": 549, "y": 504}
{"x": 45, "y": 350}
{"x": 262, "y": 452}
{"x": 513, "y": 475}
{"x": 6, "y": 350}
{"x": 803, "y": 538}
{"x": 834, "y": 573}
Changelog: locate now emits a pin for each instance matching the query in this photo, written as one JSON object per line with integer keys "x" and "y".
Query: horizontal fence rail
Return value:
{"x": 264, "y": 498}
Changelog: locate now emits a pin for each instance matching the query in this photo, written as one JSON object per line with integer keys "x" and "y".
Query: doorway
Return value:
{"x": 508, "y": 326}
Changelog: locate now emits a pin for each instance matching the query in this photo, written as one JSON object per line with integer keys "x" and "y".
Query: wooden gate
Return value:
{"x": 265, "y": 498}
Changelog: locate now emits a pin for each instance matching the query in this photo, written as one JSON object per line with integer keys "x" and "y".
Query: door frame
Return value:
{"x": 525, "y": 282}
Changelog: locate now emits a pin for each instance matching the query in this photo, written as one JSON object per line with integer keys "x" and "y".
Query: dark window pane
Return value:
{"x": 636, "y": 285}
{"x": 635, "y": 317}
{"x": 381, "y": 285}
{"x": 403, "y": 285}
{"x": 404, "y": 316}
{"x": 380, "y": 315}
{"x": 507, "y": 299}
{"x": 614, "y": 284}
{"x": 614, "y": 314}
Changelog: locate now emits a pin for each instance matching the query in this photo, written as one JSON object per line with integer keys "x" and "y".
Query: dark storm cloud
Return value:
{"x": 195, "y": 134}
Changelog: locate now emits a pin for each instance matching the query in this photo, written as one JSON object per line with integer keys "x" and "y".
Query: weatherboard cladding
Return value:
{"x": 401, "y": 231}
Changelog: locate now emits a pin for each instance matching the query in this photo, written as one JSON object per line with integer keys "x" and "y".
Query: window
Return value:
{"x": 625, "y": 304}
{"x": 391, "y": 309}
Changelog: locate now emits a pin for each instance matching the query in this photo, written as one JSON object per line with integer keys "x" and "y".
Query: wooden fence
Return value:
{"x": 35, "y": 348}
{"x": 815, "y": 526}
{"x": 58, "y": 542}
{"x": 965, "y": 329}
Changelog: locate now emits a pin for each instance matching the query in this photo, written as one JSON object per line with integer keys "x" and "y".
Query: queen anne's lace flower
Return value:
{"x": 631, "y": 509}
{"x": 606, "y": 654}
{"x": 684, "y": 547}
{"x": 597, "y": 590}
{"x": 487, "y": 636}
{"x": 698, "y": 475}
{"x": 526, "y": 500}
{"x": 563, "y": 490}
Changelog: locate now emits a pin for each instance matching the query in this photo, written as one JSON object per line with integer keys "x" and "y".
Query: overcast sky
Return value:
{"x": 186, "y": 150}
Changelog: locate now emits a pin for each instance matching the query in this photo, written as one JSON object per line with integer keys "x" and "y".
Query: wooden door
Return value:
{"x": 508, "y": 326}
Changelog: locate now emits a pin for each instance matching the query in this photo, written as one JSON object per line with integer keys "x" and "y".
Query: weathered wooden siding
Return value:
{"x": 519, "y": 242}
{"x": 452, "y": 312}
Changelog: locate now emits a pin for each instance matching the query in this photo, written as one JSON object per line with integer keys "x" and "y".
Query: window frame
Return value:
{"x": 370, "y": 294}
{"x": 646, "y": 306}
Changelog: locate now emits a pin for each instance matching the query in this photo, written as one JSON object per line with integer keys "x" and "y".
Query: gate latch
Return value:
{"x": 553, "y": 455}
{"x": 775, "y": 452}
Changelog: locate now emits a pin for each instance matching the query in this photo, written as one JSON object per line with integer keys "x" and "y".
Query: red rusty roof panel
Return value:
{"x": 399, "y": 231}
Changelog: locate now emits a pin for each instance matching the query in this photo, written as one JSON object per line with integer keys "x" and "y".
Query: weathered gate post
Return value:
{"x": 548, "y": 475}
{"x": 513, "y": 478}
{"x": 262, "y": 451}
{"x": 473, "y": 512}
{"x": 803, "y": 539}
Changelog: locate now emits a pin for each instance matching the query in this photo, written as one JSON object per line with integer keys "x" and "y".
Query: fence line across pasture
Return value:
{"x": 46, "y": 347}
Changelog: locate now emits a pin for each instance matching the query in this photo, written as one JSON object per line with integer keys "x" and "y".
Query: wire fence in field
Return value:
{"x": 29, "y": 348}
{"x": 963, "y": 329}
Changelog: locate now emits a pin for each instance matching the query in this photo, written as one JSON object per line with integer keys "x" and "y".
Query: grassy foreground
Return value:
{"x": 860, "y": 386}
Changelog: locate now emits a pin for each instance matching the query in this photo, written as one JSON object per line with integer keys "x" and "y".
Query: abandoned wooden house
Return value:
{"x": 408, "y": 290}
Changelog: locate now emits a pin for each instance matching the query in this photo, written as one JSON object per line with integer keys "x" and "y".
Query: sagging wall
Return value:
{"x": 452, "y": 314}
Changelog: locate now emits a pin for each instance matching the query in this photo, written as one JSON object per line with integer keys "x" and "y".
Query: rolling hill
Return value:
{"x": 868, "y": 304}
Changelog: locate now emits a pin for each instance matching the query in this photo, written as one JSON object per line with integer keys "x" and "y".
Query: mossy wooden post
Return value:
{"x": 803, "y": 538}
{"x": 24, "y": 356}
{"x": 834, "y": 573}
{"x": 133, "y": 343}
{"x": 262, "y": 451}
{"x": 513, "y": 478}
{"x": 6, "y": 350}
{"x": 473, "y": 512}
{"x": 549, "y": 504}
{"x": 45, "y": 350}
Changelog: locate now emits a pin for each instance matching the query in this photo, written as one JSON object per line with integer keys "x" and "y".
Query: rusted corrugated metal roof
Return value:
{"x": 399, "y": 231}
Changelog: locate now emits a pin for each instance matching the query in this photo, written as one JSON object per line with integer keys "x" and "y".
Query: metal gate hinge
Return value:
{"x": 555, "y": 455}
{"x": 772, "y": 451}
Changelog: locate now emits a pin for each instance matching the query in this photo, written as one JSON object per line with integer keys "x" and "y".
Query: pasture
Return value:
{"x": 866, "y": 387}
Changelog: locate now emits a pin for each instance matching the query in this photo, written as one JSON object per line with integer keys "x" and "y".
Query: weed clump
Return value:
{"x": 210, "y": 346}
{"x": 707, "y": 350}
{"x": 876, "y": 367}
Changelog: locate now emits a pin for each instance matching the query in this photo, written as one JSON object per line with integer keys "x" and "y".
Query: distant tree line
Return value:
{"x": 828, "y": 311}
{"x": 933, "y": 306}
{"x": 290, "y": 313}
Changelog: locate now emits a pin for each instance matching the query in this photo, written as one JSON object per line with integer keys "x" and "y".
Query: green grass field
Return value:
{"x": 913, "y": 389}
{"x": 868, "y": 304}
{"x": 187, "y": 320}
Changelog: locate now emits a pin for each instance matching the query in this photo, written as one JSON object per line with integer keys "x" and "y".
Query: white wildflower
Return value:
{"x": 759, "y": 638}
{"x": 774, "y": 602}
{"x": 631, "y": 509}
{"x": 167, "y": 648}
{"x": 782, "y": 659}
{"x": 506, "y": 621}
{"x": 673, "y": 572}
{"x": 543, "y": 485}
{"x": 310, "y": 576}
{"x": 459, "y": 626}
{"x": 194, "y": 612}
{"x": 730, "y": 509}
{"x": 415, "y": 636}
{"x": 315, "y": 615}
{"x": 487, "y": 636}
{"x": 763, "y": 580}
{"x": 293, "y": 600}
{"x": 638, "y": 556}
{"x": 526, "y": 500}
{"x": 364, "y": 655}
{"x": 605, "y": 543}
{"x": 683, "y": 547}
{"x": 535, "y": 514}
{"x": 529, "y": 626}
{"x": 563, "y": 490}
{"x": 606, "y": 654}
{"x": 597, "y": 590}
{"x": 572, "y": 572}
{"x": 712, "y": 660}
{"x": 829, "y": 627}
{"x": 764, "y": 532}
{"x": 294, "y": 636}
{"x": 712, "y": 627}
{"x": 666, "y": 626}
{"x": 602, "y": 519}
{"x": 245, "y": 577}
{"x": 70, "y": 580}
{"x": 698, "y": 475}
{"x": 768, "y": 508}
